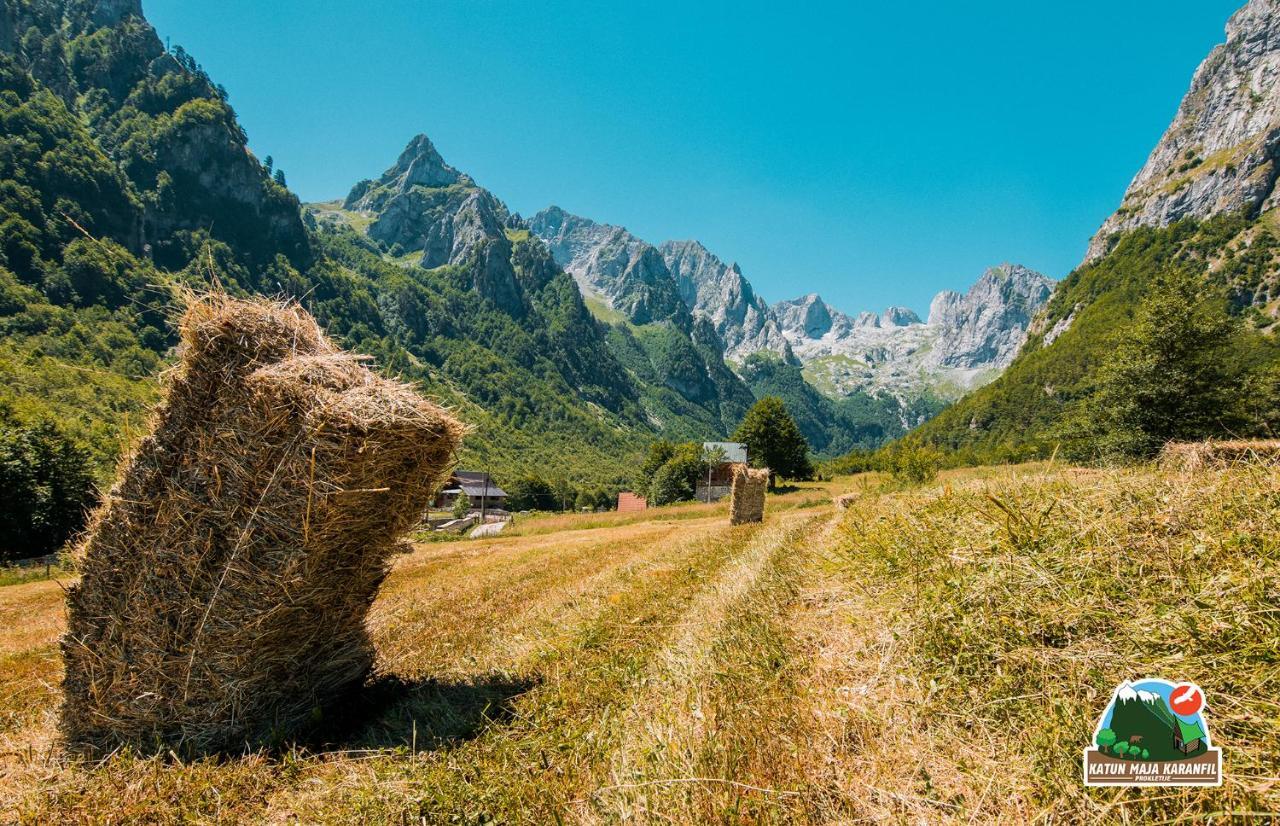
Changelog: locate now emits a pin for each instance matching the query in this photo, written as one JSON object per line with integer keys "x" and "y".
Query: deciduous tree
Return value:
{"x": 774, "y": 441}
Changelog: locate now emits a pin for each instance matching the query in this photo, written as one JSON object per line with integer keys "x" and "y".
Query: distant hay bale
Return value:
{"x": 746, "y": 503}
{"x": 1191, "y": 457}
{"x": 226, "y": 578}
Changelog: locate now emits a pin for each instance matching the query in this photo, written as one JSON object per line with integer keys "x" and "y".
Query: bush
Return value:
{"x": 911, "y": 464}
{"x": 46, "y": 489}
{"x": 677, "y": 479}
{"x": 530, "y": 493}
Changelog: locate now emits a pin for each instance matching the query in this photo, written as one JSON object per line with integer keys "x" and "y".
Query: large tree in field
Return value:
{"x": 774, "y": 441}
{"x": 1169, "y": 379}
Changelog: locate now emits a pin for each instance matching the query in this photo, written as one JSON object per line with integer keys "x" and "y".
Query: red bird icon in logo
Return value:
{"x": 1186, "y": 699}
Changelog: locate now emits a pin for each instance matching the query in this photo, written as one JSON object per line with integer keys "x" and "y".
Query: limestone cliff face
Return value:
{"x": 1220, "y": 153}
{"x": 720, "y": 293}
{"x": 968, "y": 339}
{"x": 613, "y": 266}
{"x": 423, "y": 205}
{"x": 986, "y": 326}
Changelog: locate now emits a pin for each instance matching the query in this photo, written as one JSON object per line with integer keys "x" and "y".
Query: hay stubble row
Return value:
{"x": 805, "y": 670}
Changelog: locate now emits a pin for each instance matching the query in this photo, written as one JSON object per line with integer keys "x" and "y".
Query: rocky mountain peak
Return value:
{"x": 807, "y": 316}
{"x": 721, "y": 293}
{"x": 900, "y": 317}
{"x": 420, "y": 164}
{"x": 1221, "y": 152}
{"x": 423, "y": 207}
{"x": 988, "y": 324}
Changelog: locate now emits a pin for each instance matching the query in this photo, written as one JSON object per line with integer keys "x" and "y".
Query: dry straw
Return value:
{"x": 226, "y": 578}
{"x": 746, "y": 503}
{"x": 1191, "y": 457}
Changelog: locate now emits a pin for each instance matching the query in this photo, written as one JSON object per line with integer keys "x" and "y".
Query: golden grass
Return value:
{"x": 1191, "y": 457}
{"x": 986, "y": 622}
{"x": 935, "y": 654}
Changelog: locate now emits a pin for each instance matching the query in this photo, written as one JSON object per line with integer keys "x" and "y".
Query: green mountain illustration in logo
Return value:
{"x": 1143, "y": 725}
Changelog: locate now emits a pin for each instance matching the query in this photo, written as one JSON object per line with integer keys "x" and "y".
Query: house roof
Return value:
{"x": 472, "y": 483}
{"x": 733, "y": 451}
{"x": 1189, "y": 731}
{"x": 492, "y": 492}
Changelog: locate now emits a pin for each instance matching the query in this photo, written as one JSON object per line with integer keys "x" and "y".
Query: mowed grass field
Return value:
{"x": 937, "y": 654}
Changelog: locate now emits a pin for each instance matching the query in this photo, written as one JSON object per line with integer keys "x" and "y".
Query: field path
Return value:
{"x": 535, "y": 678}
{"x": 931, "y": 654}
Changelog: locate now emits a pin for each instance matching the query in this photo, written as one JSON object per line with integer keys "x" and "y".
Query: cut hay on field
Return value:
{"x": 1189, "y": 457}
{"x": 226, "y": 578}
{"x": 746, "y": 502}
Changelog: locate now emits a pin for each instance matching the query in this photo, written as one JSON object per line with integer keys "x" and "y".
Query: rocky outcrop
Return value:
{"x": 967, "y": 340}
{"x": 807, "y": 317}
{"x": 419, "y": 165}
{"x": 986, "y": 326}
{"x": 720, "y": 293}
{"x": 423, "y": 205}
{"x": 614, "y": 266}
{"x": 111, "y": 12}
{"x": 900, "y": 317}
{"x": 1221, "y": 152}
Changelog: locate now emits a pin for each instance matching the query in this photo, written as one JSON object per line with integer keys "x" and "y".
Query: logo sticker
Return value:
{"x": 1153, "y": 733}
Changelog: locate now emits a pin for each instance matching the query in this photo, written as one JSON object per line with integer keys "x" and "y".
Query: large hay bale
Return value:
{"x": 226, "y": 578}
{"x": 1192, "y": 457}
{"x": 746, "y": 499}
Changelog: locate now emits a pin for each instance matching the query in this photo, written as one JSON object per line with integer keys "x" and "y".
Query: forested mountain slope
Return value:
{"x": 1035, "y": 406}
{"x": 1201, "y": 211}
{"x": 654, "y": 368}
{"x": 125, "y": 179}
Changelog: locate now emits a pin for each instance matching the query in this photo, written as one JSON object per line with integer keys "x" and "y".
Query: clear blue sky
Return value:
{"x": 873, "y": 152}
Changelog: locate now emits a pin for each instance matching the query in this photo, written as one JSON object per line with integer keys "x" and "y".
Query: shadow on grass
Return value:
{"x": 390, "y": 712}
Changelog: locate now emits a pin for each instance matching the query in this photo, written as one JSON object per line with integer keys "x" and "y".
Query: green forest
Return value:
{"x": 126, "y": 185}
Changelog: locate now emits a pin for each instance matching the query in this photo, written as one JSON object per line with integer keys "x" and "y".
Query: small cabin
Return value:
{"x": 479, "y": 489}
{"x": 719, "y": 479}
{"x": 1187, "y": 736}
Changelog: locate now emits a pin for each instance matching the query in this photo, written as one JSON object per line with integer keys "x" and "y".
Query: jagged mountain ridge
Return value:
{"x": 720, "y": 292}
{"x": 425, "y": 215}
{"x": 613, "y": 266}
{"x": 968, "y": 339}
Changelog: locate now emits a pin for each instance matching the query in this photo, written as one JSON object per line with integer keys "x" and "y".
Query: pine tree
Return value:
{"x": 774, "y": 441}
